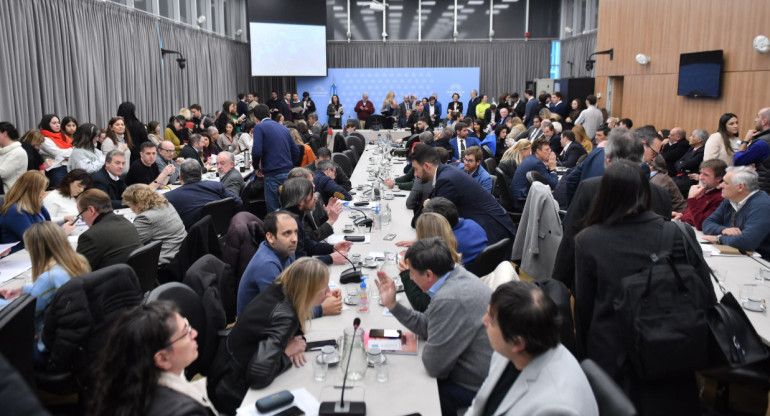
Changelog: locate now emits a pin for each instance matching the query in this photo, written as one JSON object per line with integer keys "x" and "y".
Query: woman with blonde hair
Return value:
{"x": 156, "y": 220}
{"x": 720, "y": 144}
{"x": 513, "y": 156}
{"x": 54, "y": 263}
{"x": 582, "y": 137}
{"x": 31, "y": 142}
{"x": 267, "y": 337}
{"x": 22, "y": 207}
{"x": 389, "y": 109}
{"x": 306, "y": 155}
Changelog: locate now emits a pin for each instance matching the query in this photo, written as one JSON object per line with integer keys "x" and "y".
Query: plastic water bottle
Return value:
{"x": 363, "y": 298}
{"x": 377, "y": 218}
{"x": 386, "y": 215}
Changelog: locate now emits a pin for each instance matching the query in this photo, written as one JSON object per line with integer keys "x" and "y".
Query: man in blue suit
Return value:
{"x": 462, "y": 141}
{"x": 532, "y": 108}
{"x": 542, "y": 161}
{"x": 557, "y": 105}
{"x": 471, "y": 200}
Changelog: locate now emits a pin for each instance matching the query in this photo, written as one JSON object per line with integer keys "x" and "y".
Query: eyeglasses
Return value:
{"x": 654, "y": 152}
{"x": 166, "y": 150}
{"x": 187, "y": 332}
{"x": 80, "y": 214}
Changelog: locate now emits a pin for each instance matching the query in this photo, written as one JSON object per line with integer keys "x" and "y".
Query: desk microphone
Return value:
{"x": 352, "y": 275}
{"x": 366, "y": 221}
{"x": 343, "y": 408}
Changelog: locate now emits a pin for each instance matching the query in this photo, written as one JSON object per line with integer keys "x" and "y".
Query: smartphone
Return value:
{"x": 385, "y": 333}
{"x": 389, "y": 237}
{"x": 292, "y": 411}
{"x": 317, "y": 345}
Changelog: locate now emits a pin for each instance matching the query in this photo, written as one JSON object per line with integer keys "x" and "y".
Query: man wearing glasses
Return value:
{"x": 472, "y": 166}
{"x": 165, "y": 158}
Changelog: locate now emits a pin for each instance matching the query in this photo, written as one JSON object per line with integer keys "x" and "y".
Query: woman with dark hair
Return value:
{"x": 226, "y": 140}
{"x": 173, "y": 131}
{"x": 135, "y": 130}
{"x": 153, "y": 132}
{"x": 141, "y": 369}
{"x": 69, "y": 125}
{"x": 120, "y": 138}
{"x": 722, "y": 144}
{"x": 85, "y": 155}
{"x": 246, "y": 138}
{"x": 267, "y": 338}
{"x": 278, "y": 118}
{"x": 56, "y": 145}
{"x": 209, "y": 147}
{"x": 574, "y": 113}
{"x": 61, "y": 203}
{"x": 335, "y": 110}
{"x": 479, "y": 126}
{"x": 605, "y": 255}
{"x": 228, "y": 113}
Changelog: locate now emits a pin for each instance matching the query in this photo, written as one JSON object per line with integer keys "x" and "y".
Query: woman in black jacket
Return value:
{"x": 267, "y": 338}
{"x": 135, "y": 128}
{"x": 140, "y": 371}
{"x": 620, "y": 235}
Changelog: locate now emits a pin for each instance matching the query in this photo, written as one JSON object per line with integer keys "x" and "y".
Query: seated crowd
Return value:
{"x": 471, "y": 178}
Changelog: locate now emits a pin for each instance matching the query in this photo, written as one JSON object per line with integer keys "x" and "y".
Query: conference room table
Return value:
{"x": 409, "y": 389}
{"x": 396, "y": 135}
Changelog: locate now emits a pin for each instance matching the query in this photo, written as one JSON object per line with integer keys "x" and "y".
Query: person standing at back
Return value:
{"x": 273, "y": 154}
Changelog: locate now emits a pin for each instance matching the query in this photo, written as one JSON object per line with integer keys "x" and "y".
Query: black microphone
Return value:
{"x": 366, "y": 221}
{"x": 352, "y": 275}
{"x": 345, "y": 408}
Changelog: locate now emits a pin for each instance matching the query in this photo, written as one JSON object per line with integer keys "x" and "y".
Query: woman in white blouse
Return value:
{"x": 118, "y": 138}
{"x": 245, "y": 139}
{"x": 720, "y": 144}
{"x": 85, "y": 155}
{"x": 61, "y": 203}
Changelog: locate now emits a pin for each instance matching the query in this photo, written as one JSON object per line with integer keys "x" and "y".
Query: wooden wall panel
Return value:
{"x": 663, "y": 29}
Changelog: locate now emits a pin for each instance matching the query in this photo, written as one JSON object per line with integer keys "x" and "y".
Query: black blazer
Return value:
{"x": 473, "y": 202}
{"x": 569, "y": 158}
{"x": 564, "y": 269}
{"x": 110, "y": 240}
{"x": 168, "y": 402}
{"x": 691, "y": 161}
{"x": 458, "y": 106}
{"x": 519, "y": 108}
{"x": 673, "y": 152}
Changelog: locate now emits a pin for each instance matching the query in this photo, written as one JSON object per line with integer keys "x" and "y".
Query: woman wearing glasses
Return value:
{"x": 154, "y": 344}
{"x": 267, "y": 338}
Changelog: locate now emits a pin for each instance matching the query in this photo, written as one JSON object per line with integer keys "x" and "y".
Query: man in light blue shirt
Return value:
{"x": 472, "y": 166}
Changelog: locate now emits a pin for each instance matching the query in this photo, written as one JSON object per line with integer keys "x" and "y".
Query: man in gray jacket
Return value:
{"x": 228, "y": 175}
{"x": 457, "y": 351}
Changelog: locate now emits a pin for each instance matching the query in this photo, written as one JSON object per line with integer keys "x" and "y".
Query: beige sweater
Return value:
{"x": 715, "y": 149}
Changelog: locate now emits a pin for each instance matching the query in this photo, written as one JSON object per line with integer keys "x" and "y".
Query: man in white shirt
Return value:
{"x": 591, "y": 117}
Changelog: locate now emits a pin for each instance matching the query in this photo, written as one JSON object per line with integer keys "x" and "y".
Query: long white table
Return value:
{"x": 409, "y": 388}
{"x": 395, "y": 135}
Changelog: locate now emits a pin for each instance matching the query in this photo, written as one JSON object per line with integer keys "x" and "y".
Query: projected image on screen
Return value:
{"x": 279, "y": 49}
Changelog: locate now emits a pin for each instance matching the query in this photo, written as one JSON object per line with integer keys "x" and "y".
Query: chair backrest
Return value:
{"x": 355, "y": 140}
{"x": 17, "y": 334}
{"x": 490, "y": 257}
{"x": 324, "y": 137}
{"x": 191, "y": 307}
{"x": 609, "y": 396}
{"x": 221, "y": 212}
{"x": 344, "y": 163}
{"x": 494, "y": 183}
{"x": 339, "y": 144}
{"x": 352, "y": 156}
{"x": 490, "y": 164}
{"x": 503, "y": 190}
{"x": 201, "y": 240}
{"x": 358, "y": 134}
{"x": 374, "y": 122}
{"x": 144, "y": 261}
{"x": 487, "y": 152}
{"x": 561, "y": 296}
{"x": 533, "y": 176}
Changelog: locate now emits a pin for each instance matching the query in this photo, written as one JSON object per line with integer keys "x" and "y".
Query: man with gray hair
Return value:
{"x": 108, "y": 177}
{"x": 313, "y": 124}
{"x": 756, "y": 148}
{"x": 194, "y": 193}
{"x": 471, "y": 111}
{"x": 230, "y": 177}
{"x": 622, "y": 145}
{"x": 165, "y": 158}
{"x": 741, "y": 221}
{"x": 323, "y": 178}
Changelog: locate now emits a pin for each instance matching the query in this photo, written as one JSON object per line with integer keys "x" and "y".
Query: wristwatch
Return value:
{"x": 719, "y": 239}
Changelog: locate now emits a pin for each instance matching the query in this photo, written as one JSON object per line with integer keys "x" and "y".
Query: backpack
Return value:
{"x": 661, "y": 315}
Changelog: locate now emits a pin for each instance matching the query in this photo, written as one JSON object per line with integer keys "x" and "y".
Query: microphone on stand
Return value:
{"x": 366, "y": 221}
{"x": 352, "y": 275}
{"x": 343, "y": 408}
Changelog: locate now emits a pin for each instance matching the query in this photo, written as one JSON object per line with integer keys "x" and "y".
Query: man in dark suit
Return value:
{"x": 417, "y": 115}
{"x": 404, "y": 111}
{"x": 571, "y": 152}
{"x": 531, "y": 109}
{"x": 542, "y": 161}
{"x": 462, "y": 141}
{"x": 472, "y": 104}
{"x": 194, "y": 193}
{"x": 673, "y": 148}
{"x": 242, "y": 107}
{"x": 110, "y": 238}
{"x": 622, "y": 145}
{"x": 557, "y": 105}
{"x": 554, "y": 138}
{"x": 192, "y": 151}
{"x": 471, "y": 199}
{"x": 518, "y": 106}
{"x": 108, "y": 180}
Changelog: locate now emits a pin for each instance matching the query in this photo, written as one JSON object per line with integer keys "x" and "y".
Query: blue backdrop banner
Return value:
{"x": 351, "y": 83}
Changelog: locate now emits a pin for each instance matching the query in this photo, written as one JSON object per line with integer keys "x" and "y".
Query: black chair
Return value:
{"x": 144, "y": 261}
{"x": 533, "y": 176}
{"x": 343, "y": 162}
{"x": 359, "y": 135}
{"x": 17, "y": 334}
{"x": 754, "y": 376}
{"x": 339, "y": 145}
{"x": 221, "y": 212}
{"x": 490, "y": 257}
{"x": 491, "y": 165}
{"x": 487, "y": 152}
{"x": 375, "y": 122}
{"x": 355, "y": 139}
{"x": 191, "y": 307}
{"x": 494, "y": 182}
{"x": 323, "y": 139}
{"x": 201, "y": 240}
{"x": 351, "y": 154}
{"x": 612, "y": 401}
{"x": 504, "y": 190}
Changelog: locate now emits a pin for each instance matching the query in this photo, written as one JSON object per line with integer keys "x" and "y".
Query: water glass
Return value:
{"x": 747, "y": 291}
{"x": 320, "y": 367}
{"x": 381, "y": 369}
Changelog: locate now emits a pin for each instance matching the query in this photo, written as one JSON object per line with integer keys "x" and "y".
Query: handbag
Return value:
{"x": 733, "y": 340}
